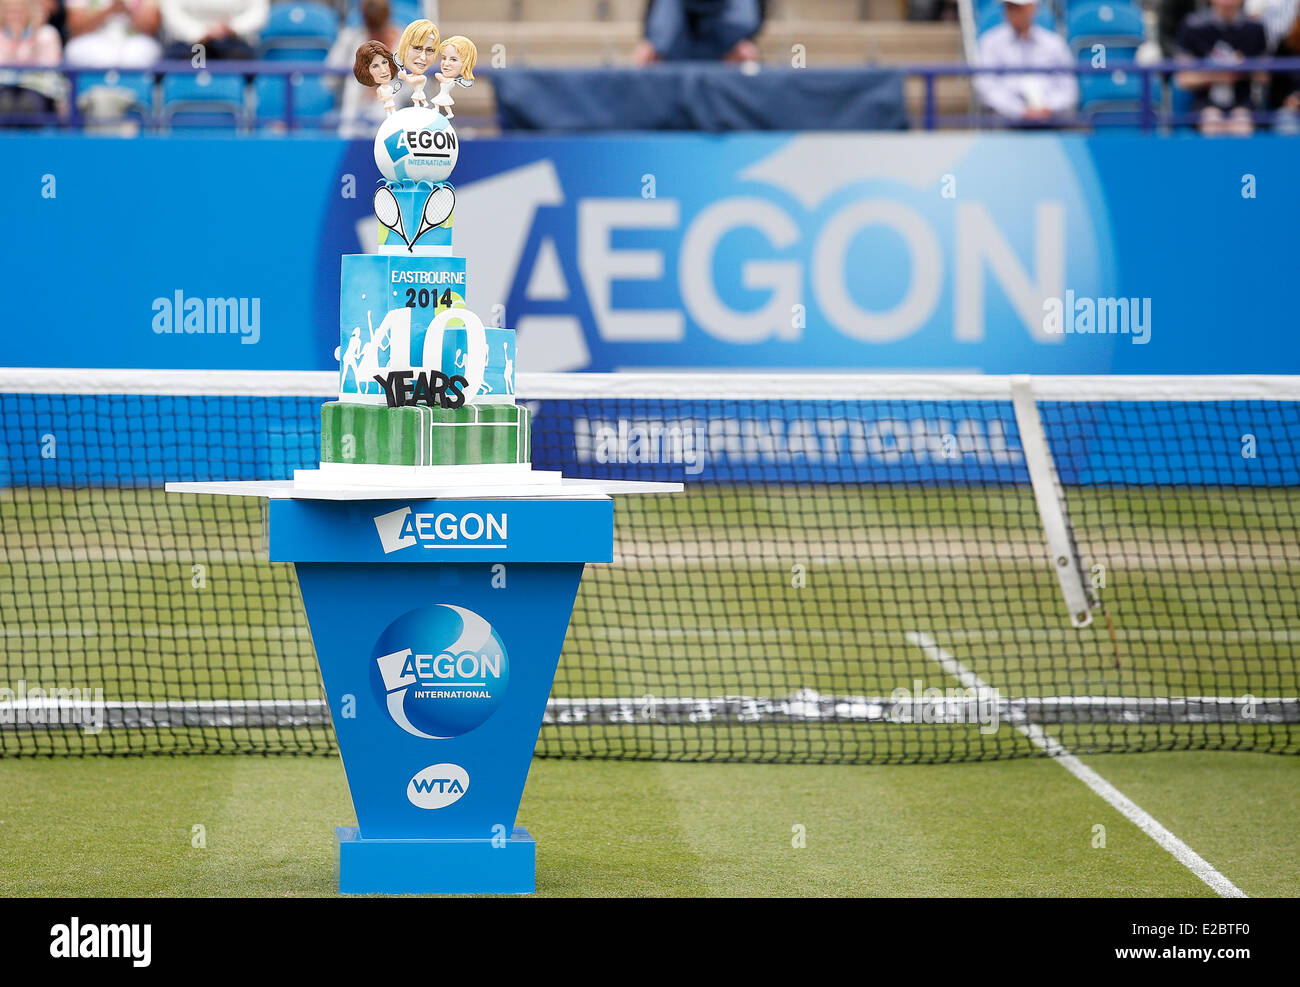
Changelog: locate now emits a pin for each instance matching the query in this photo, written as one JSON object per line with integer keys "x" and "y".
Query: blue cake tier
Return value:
{"x": 387, "y": 303}
{"x": 374, "y": 284}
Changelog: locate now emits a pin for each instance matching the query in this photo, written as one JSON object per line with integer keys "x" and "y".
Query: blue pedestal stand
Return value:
{"x": 438, "y": 625}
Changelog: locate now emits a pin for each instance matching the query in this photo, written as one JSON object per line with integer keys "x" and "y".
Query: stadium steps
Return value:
{"x": 826, "y": 42}
{"x": 453, "y": 12}
{"x": 855, "y": 42}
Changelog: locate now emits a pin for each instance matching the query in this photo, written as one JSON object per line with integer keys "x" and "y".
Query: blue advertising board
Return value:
{"x": 967, "y": 252}
{"x": 692, "y": 441}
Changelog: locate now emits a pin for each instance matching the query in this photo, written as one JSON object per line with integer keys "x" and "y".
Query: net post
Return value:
{"x": 1079, "y": 599}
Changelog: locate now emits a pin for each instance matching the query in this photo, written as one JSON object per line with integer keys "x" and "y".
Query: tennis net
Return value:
{"x": 867, "y": 569}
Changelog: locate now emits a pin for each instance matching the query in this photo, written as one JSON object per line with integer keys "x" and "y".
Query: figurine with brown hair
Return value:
{"x": 416, "y": 50}
{"x": 376, "y": 67}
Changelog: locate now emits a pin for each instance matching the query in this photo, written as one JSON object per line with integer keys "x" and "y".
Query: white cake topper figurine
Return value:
{"x": 369, "y": 364}
{"x": 352, "y": 359}
{"x": 375, "y": 67}
{"x": 416, "y": 50}
{"x": 457, "y": 68}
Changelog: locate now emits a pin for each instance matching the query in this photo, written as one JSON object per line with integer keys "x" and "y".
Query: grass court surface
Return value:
{"x": 98, "y": 587}
{"x": 101, "y": 826}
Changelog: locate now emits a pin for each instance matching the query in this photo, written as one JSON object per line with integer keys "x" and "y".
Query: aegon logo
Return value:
{"x": 440, "y": 671}
{"x": 418, "y": 141}
{"x": 403, "y": 528}
{"x": 437, "y": 786}
{"x": 966, "y": 269}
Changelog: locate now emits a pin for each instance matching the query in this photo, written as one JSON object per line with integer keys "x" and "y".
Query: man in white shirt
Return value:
{"x": 226, "y": 28}
{"x": 112, "y": 33}
{"x": 1033, "y": 98}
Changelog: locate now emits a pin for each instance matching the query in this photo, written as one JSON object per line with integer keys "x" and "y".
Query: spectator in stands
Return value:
{"x": 1225, "y": 35}
{"x": 58, "y": 18}
{"x": 1281, "y": 20}
{"x": 113, "y": 33}
{"x": 1277, "y": 17}
{"x": 360, "y": 114}
{"x": 225, "y": 28}
{"x": 27, "y": 39}
{"x": 1030, "y": 98}
{"x": 700, "y": 30}
{"x": 931, "y": 10}
{"x": 1170, "y": 15}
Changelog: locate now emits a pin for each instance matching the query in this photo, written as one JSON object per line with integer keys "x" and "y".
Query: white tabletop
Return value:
{"x": 565, "y": 489}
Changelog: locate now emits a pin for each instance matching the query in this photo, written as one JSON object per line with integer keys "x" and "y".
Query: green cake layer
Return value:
{"x": 420, "y": 436}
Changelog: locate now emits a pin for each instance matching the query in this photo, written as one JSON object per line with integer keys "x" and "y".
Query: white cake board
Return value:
{"x": 333, "y": 476}
{"x": 565, "y": 489}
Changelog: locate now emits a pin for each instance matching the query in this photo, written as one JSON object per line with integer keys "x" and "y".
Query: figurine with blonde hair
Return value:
{"x": 416, "y": 50}
{"x": 458, "y": 58}
{"x": 375, "y": 67}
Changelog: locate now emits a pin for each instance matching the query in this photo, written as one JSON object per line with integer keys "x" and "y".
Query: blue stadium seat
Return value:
{"x": 299, "y": 32}
{"x": 312, "y": 100}
{"x": 1113, "y": 87}
{"x": 112, "y": 98}
{"x": 1125, "y": 122}
{"x": 1108, "y": 22}
{"x": 1182, "y": 103}
{"x": 203, "y": 100}
{"x": 1116, "y": 26}
{"x": 139, "y": 84}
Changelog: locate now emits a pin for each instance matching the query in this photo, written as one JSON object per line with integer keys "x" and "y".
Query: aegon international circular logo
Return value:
{"x": 440, "y": 671}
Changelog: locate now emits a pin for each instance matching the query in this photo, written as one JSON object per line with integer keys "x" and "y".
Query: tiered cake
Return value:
{"x": 422, "y": 382}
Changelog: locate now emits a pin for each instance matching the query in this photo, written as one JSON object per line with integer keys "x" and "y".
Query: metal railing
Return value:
{"x": 1149, "y": 114}
{"x": 1148, "y": 75}
{"x": 288, "y": 72}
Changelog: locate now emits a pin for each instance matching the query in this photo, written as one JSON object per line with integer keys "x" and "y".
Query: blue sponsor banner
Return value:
{"x": 146, "y": 440}
{"x": 783, "y": 442}
{"x": 1141, "y": 443}
{"x": 79, "y": 440}
{"x": 995, "y": 253}
{"x": 927, "y": 442}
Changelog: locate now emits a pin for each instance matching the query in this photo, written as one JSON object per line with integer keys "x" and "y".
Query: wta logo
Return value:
{"x": 437, "y": 786}
{"x": 440, "y": 671}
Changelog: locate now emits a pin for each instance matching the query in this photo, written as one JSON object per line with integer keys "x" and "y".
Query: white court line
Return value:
{"x": 1035, "y": 634}
{"x": 1131, "y": 811}
{"x": 1044, "y": 635}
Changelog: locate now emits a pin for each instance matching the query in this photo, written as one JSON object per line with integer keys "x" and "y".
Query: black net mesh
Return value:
{"x": 858, "y": 581}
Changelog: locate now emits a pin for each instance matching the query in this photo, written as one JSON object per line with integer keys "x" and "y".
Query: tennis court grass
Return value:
{"x": 99, "y": 587}
{"x": 101, "y": 826}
